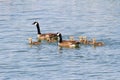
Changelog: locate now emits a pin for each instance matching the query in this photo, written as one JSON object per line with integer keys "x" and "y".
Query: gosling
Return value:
{"x": 97, "y": 43}
{"x": 32, "y": 43}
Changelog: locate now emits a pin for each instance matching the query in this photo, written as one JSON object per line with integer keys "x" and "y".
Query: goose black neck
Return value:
{"x": 60, "y": 38}
{"x": 38, "y": 29}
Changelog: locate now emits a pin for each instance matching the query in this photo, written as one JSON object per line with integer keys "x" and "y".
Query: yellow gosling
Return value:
{"x": 81, "y": 39}
{"x": 85, "y": 41}
{"x": 71, "y": 38}
{"x": 33, "y": 43}
{"x": 97, "y": 43}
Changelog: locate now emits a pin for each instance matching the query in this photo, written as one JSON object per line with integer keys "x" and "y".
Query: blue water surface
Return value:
{"x": 91, "y": 18}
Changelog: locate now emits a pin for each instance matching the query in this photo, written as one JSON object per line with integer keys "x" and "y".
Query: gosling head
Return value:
{"x": 30, "y": 40}
{"x": 71, "y": 38}
{"x": 94, "y": 40}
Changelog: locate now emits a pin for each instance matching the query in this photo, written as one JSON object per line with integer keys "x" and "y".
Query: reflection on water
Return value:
{"x": 92, "y": 18}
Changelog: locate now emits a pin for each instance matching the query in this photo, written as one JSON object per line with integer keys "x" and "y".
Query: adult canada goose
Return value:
{"x": 46, "y": 36}
{"x": 33, "y": 43}
{"x": 67, "y": 43}
{"x": 97, "y": 43}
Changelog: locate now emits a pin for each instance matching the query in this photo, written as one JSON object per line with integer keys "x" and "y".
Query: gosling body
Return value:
{"x": 97, "y": 43}
{"x": 33, "y": 43}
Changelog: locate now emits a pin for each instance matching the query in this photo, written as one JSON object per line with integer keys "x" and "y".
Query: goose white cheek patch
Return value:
{"x": 35, "y": 23}
{"x": 38, "y": 36}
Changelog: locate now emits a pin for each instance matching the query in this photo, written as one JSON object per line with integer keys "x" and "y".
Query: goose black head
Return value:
{"x": 58, "y": 34}
{"x": 59, "y": 37}
{"x": 35, "y": 23}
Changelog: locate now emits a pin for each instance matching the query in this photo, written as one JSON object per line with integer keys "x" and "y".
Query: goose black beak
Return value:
{"x": 32, "y": 23}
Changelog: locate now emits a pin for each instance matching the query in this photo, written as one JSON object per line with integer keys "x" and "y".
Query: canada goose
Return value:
{"x": 97, "y": 43}
{"x": 33, "y": 43}
{"x": 46, "y": 36}
{"x": 67, "y": 43}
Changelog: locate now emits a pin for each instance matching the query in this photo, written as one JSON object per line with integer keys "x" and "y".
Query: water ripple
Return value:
{"x": 99, "y": 19}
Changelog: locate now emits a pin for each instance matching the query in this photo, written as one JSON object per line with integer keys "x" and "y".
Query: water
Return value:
{"x": 91, "y": 18}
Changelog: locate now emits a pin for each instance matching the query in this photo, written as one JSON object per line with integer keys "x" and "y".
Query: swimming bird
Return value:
{"x": 85, "y": 41}
{"x": 67, "y": 43}
{"x": 33, "y": 43}
{"x": 81, "y": 39}
{"x": 71, "y": 38}
{"x": 90, "y": 42}
{"x": 97, "y": 43}
{"x": 46, "y": 36}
